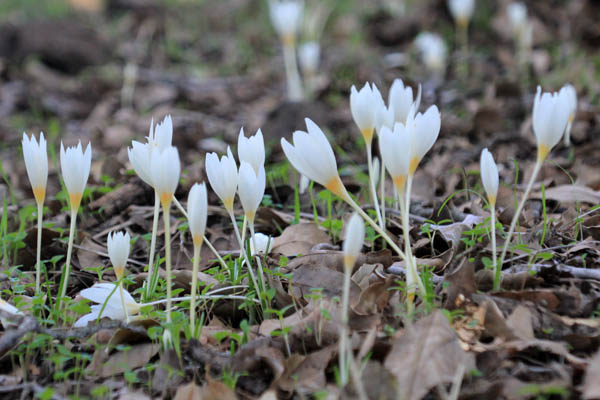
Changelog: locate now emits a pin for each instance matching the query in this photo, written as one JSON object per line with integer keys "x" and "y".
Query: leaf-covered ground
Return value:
{"x": 101, "y": 75}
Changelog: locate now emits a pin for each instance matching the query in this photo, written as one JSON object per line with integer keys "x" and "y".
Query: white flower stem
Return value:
{"x": 513, "y": 223}
{"x": 244, "y": 253}
{"x": 167, "y": 219}
{"x": 408, "y": 250}
{"x": 200, "y": 296}
{"x": 195, "y": 264}
{"x": 244, "y": 227}
{"x": 67, "y": 269}
{"x": 152, "y": 244}
{"x": 258, "y": 262}
{"x": 294, "y": 85}
{"x": 567, "y": 137}
{"x": 382, "y": 193}
{"x": 372, "y": 185}
{"x": 123, "y": 299}
{"x": 343, "y": 350}
{"x": 204, "y": 238}
{"x": 497, "y": 271}
{"x": 38, "y": 264}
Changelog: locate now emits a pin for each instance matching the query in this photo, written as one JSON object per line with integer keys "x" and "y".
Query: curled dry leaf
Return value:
{"x": 299, "y": 239}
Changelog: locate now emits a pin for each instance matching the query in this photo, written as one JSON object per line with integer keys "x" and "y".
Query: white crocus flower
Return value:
{"x": 262, "y": 242}
{"x": 550, "y": 118}
{"x": 365, "y": 105}
{"x": 353, "y": 243}
{"x": 304, "y": 183}
{"x": 400, "y": 99}
{"x": 252, "y": 149}
{"x": 165, "y": 167}
{"x": 197, "y": 215}
{"x": 286, "y": 17}
{"x": 119, "y": 245}
{"x": 433, "y": 51}
{"x": 394, "y": 151}
{"x": 75, "y": 166}
{"x": 384, "y": 118}
{"x": 140, "y": 154}
{"x": 569, "y": 92}
{"x": 517, "y": 17}
{"x": 223, "y": 177}
{"x": 462, "y": 11}
{"x": 162, "y": 135}
{"x": 489, "y": 176}
{"x": 115, "y": 308}
{"x": 36, "y": 163}
{"x": 251, "y": 189}
{"x": 312, "y": 155}
{"x": 308, "y": 55}
{"x": 424, "y": 130}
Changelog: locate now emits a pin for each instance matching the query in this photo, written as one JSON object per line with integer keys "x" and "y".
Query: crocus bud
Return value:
{"x": 286, "y": 17}
{"x": 423, "y": 132}
{"x": 197, "y": 212}
{"x": 355, "y": 237}
{"x": 140, "y": 154}
{"x": 461, "y": 11}
{"x": 570, "y": 94}
{"x": 262, "y": 243}
{"x": 252, "y": 149}
{"x": 432, "y": 50}
{"x": 36, "y": 163}
{"x": 165, "y": 173}
{"x": 118, "y": 245}
{"x": 489, "y": 176}
{"x": 364, "y": 105}
{"x": 312, "y": 155}
{"x": 550, "y": 117}
{"x": 394, "y": 151}
{"x": 308, "y": 55}
{"x": 400, "y": 100}
{"x": 75, "y": 166}
{"x": 517, "y": 16}
{"x": 251, "y": 189}
{"x": 109, "y": 304}
{"x": 223, "y": 177}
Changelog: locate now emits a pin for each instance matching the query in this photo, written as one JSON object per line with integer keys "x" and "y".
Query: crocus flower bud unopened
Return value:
{"x": 394, "y": 147}
{"x": 118, "y": 244}
{"x": 36, "y": 163}
{"x": 365, "y": 105}
{"x": 489, "y": 176}
{"x": 165, "y": 173}
{"x": 550, "y": 117}
{"x": 462, "y": 11}
{"x": 75, "y": 167}
{"x": 286, "y": 17}
{"x": 252, "y": 149}
{"x": 355, "y": 237}
{"x": 223, "y": 177}
{"x": 197, "y": 206}
{"x": 251, "y": 189}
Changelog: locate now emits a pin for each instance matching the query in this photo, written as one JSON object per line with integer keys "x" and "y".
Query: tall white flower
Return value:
{"x": 36, "y": 163}
{"x": 400, "y": 99}
{"x": 223, "y": 177}
{"x": 252, "y": 149}
{"x": 432, "y": 50}
{"x": 140, "y": 154}
{"x": 308, "y": 55}
{"x": 312, "y": 155}
{"x": 75, "y": 166}
{"x": 251, "y": 189}
{"x": 489, "y": 176}
{"x": 355, "y": 237}
{"x": 570, "y": 94}
{"x": 462, "y": 11}
{"x": 162, "y": 135}
{"x": 517, "y": 16}
{"x": 197, "y": 212}
{"x": 424, "y": 130}
{"x": 119, "y": 245}
{"x": 394, "y": 148}
{"x": 550, "y": 117}
{"x": 165, "y": 169}
{"x": 365, "y": 105}
{"x": 286, "y": 17}
{"x": 99, "y": 293}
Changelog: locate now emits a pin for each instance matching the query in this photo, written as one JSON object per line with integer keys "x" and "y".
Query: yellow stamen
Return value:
{"x": 75, "y": 200}
{"x": 250, "y": 216}
{"x": 349, "y": 262}
{"x": 228, "y": 203}
{"x": 336, "y": 186}
{"x": 414, "y": 164}
{"x": 197, "y": 239}
{"x": 40, "y": 194}
{"x": 119, "y": 272}
{"x": 368, "y": 134}
{"x": 543, "y": 152}
{"x": 165, "y": 199}
{"x": 399, "y": 182}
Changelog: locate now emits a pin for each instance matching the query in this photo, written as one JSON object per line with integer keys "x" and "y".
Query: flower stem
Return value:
{"x": 343, "y": 350}
{"x": 244, "y": 226}
{"x": 123, "y": 300}
{"x": 294, "y": 85}
{"x": 497, "y": 270}
{"x": 167, "y": 219}
{"x": 513, "y": 223}
{"x": 38, "y": 269}
{"x": 382, "y": 193}
{"x": 407, "y": 247}
{"x": 67, "y": 269}
{"x": 195, "y": 263}
{"x": 258, "y": 262}
{"x": 372, "y": 185}
{"x": 149, "y": 289}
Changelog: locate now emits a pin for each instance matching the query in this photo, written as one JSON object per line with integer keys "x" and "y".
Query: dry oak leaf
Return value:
{"x": 426, "y": 355}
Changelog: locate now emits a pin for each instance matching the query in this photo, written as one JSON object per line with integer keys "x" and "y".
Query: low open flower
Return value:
{"x": 423, "y": 132}
{"x": 252, "y": 149}
{"x": 312, "y": 155}
{"x": 118, "y": 244}
{"x": 432, "y": 50}
{"x": 308, "y": 55}
{"x": 517, "y": 17}
{"x": 489, "y": 176}
{"x": 355, "y": 237}
{"x": 36, "y": 163}
{"x": 165, "y": 168}
{"x": 400, "y": 100}
{"x": 75, "y": 166}
{"x": 251, "y": 189}
{"x": 462, "y": 11}
{"x": 286, "y": 17}
{"x": 197, "y": 206}
{"x": 365, "y": 105}
{"x": 223, "y": 177}
{"x": 108, "y": 293}
{"x": 9, "y": 309}
{"x": 550, "y": 117}
{"x": 394, "y": 151}
{"x": 262, "y": 243}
